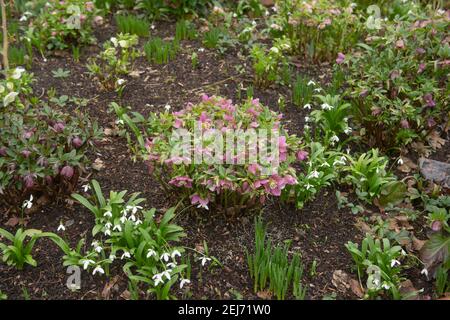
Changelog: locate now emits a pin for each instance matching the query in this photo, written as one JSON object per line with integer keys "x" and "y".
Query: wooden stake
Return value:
{"x": 5, "y": 36}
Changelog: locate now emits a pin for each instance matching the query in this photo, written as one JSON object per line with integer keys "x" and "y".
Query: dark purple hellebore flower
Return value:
{"x": 67, "y": 172}
{"x": 29, "y": 181}
{"x": 421, "y": 68}
{"x": 420, "y": 50}
{"x": 59, "y": 127}
{"x": 428, "y": 98}
{"x": 3, "y": 151}
{"x": 430, "y": 122}
{"x": 26, "y": 153}
{"x": 404, "y": 124}
{"x": 77, "y": 142}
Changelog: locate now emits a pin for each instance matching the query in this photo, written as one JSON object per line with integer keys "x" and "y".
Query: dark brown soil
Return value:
{"x": 318, "y": 232}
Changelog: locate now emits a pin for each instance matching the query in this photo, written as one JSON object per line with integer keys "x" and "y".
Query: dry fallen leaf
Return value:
{"x": 265, "y": 295}
{"x": 362, "y": 226}
{"x": 12, "y": 222}
{"x": 106, "y": 293}
{"x": 98, "y": 164}
{"x": 408, "y": 165}
{"x": 417, "y": 243}
{"x": 435, "y": 140}
{"x": 356, "y": 288}
{"x": 341, "y": 280}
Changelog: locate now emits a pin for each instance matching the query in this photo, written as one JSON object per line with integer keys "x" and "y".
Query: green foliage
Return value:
{"x": 159, "y": 51}
{"x": 114, "y": 61}
{"x": 271, "y": 269}
{"x": 60, "y": 73}
{"x": 267, "y": 65}
{"x": 368, "y": 174}
{"x": 18, "y": 253}
{"x": 185, "y": 30}
{"x": 132, "y": 25}
{"x": 302, "y": 91}
{"x": 380, "y": 260}
{"x": 131, "y": 232}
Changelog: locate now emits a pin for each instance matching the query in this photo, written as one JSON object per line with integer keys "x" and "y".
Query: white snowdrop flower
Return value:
{"x": 254, "y": 23}
{"x": 107, "y": 232}
{"x": 307, "y": 106}
{"x": 334, "y": 139}
{"x": 386, "y": 286}
{"x": 317, "y": 89}
{"x": 235, "y": 15}
{"x": 61, "y": 228}
{"x": 201, "y": 49}
{"x": 400, "y": 161}
{"x": 325, "y": 164}
{"x": 308, "y": 186}
{"x": 171, "y": 265}
{"x": 108, "y": 225}
{"x": 403, "y": 252}
{"x": 314, "y": 175}
{"x": 348, "y": 130}
{"x": 275, "y": 50}
{"x": 167, "y": 107}
{"x": 112, "y": 257}
{"x": 311, "y": 83}
{"x": 99, "y": 270}
{"x": 152, "y": 27}
{"x": 132, "y": 218}
{"x": 86, "y": 263}
{"x": 123, "y": 219}
{"x": 151, "y": 253}
{"x": 120, "y": 82}
{"x": 267, "y": 13}
{"x": 120, "y": 121}
{"x": 204, "y": 260}
{"x": 135, "y": 209}
{"x": 157, "y": 278}
{"x": 17, "y": 73}
{"x": 183, "y": 282}
{"x": 28, "y": 203}
{"x": 165, "y": 256}
{"x": 138, "y": 222}
{"x": 424, "y": 272}
{"x": 23, "y": 18}
{"x": 175, "y": 253}
{"x": 394, "y": 263}
{"x": 86, "y": 187}
{"x": 108, "y": 214}
{"x": 125, "y": 254}
{"x": 114, "y": 41}
{"x": 326, "y": 106}
{"x": 348, "y": 150}
{"x": 166, "y": 274}
{"x": 306, "y": 119}
{"x": 306, "y": 127}
{"x": 98, "y": 249}
{"x": 117, "y": 227}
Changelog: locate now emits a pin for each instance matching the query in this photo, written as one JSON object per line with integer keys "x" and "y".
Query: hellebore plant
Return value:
{"x": 232, "y": 183}
{"x": 62, "y": 24}
{"x": 42, "y": 150}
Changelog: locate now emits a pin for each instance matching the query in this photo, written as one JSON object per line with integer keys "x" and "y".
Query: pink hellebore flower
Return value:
{"x": 282, "y": 147}
{"x": 275, "y": 184}
{"x": 302, "y": 155}
{"x": 340, "y": 58}
{"x": 59, "y": 127}
{"x": 254, "y": 168}
{"x": 182, "y": 181}
{"x": 178, "y": 123}
{"x": 202, "y": 203}
{"x": 204, "y": 117}
{"x": 77, "y": 142}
